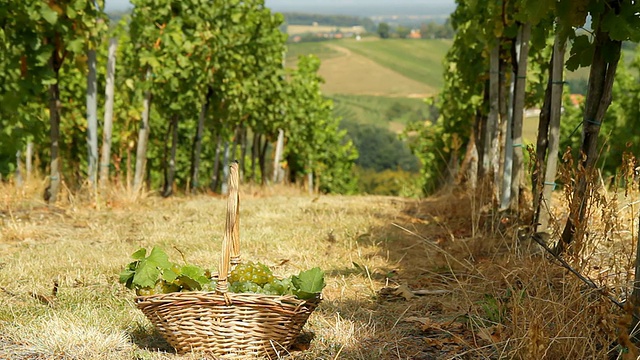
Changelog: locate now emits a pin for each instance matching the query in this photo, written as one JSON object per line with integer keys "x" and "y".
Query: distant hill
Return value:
{"x": 365, "y": 7}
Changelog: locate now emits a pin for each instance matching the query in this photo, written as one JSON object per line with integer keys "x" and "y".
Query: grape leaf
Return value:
{"x": 126, "y": 276}
{"x": 623, "y": 26}
{"x": 139, "y": 254}
{"x": 195, "y": 273}
{"x": 50, "y": 15}
{"x": 536, "y": 10}
{"x": 146, "y": 274}
{"x": 148, "y": 269}
{"x": 169, "y": 275}
{"x": 308, "y": 283}
{"x": 159, "y": 258}
{"x": 76, "y": 45}
{"x": 581, "y": 53}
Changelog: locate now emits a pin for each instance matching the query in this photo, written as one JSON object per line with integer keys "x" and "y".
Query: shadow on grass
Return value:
{"x": 150, "y": 339}
{"x": 428, "y": 246}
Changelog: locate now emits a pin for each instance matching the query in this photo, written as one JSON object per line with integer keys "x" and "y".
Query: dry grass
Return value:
{"x": 487, "y": 296}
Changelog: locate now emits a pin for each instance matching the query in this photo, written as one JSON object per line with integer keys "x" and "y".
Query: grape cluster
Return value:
{"x": 257, "y": 278}
{"x": 256, "y": 273}
{"x": 275, "y": 287}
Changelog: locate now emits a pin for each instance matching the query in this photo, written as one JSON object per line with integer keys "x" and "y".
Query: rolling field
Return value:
{"x": 392, "y": 67}
{"x": 367, "y": 78}
{"x": 420, "y": 60}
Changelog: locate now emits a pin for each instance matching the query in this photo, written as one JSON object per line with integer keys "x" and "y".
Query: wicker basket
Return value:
{"x": 223, "y": 324}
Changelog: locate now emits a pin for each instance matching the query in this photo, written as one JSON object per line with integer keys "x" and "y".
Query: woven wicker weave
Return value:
{"x": 228, "y": 325}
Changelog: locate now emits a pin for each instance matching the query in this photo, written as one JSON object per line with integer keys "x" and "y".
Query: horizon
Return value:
{"x": 364, "y": 8}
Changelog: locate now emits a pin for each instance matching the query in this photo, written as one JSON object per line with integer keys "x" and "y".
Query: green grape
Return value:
{"x": 253, "y": 287}
{"x": 169, "y": 287}
{"x": 271, "y": 289}
{"x": 159, "y": 288}
{"x": 145, "y": 291}
{"x": 176, "y": 269}
{"x": 211, "y": 286}
{"x": 251, "y": 272}
{"x": 238, "y": 287}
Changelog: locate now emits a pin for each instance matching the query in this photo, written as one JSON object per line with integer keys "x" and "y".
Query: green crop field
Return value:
{"x": 395, "y": 67}
{"x": 392, "y": 113}
{"x": 419, "y": 60}
{"x": 320, "y": 49}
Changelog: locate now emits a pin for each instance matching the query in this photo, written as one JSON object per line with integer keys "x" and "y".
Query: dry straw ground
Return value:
{"x": 432, "y": 279}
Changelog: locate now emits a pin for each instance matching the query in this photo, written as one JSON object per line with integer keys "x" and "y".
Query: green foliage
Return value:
{"x": 308, "y": 284}
{"x": 380, "y": 149}
{"x": 315, "y": 143}
{"x": 432, "y": 30}
{"x": 402, "y": 31}
{"x": 622, "y": 115}
{"x": 578, "y": 86}
{"x": 619, "y": 19}
{"x": 462, "y": 96}
{"x": 581, "y": 53}
{"x": 389, "y": 182}
{"x": 186, "y": 54}
{"x": 294, "y": 18}
{"x": 145, "y": 272}
{"x": 38, "y": 41}
{"x": 383, "y": 30}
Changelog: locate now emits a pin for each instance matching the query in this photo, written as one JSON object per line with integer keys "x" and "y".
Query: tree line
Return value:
{"x": 428, "y": 30}
{"x": 294, "y": 18}
{"x": 174, "y": 92}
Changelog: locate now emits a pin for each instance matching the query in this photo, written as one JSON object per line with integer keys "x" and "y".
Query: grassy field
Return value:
{"x": 303, "y": 29}
{"x": 429, "y": 279}
{"x": 391, "y": 112}
{"x": 320, "y": 49}
{"x": 420, "y": 60}
{"x": 393, "y": 67}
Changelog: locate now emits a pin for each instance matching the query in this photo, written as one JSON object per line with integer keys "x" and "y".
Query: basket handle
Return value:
{"x": 231, "y": 240}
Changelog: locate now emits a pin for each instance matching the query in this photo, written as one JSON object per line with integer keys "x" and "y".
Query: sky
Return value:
{"x": 350, "y": 7}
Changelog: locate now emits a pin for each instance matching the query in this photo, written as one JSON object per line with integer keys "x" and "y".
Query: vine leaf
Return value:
{"x": 144, "y": 272}
{"x": 308, "y": 283}
{"x": 50, "y": 15}
{"x": 581, "y": 53}
{"x": 623, "y": 26}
